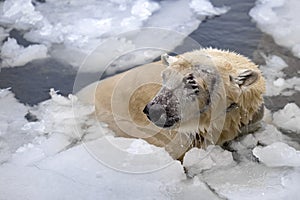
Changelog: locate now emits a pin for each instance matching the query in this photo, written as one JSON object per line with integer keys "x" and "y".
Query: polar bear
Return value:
{"x": 203, "y": 97}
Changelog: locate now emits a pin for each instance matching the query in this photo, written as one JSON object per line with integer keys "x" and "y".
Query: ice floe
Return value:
{"x": 11, "y": 122}
{"x": 250, "y": 180}
{"x": 268, "y": 135}
{"x": 288, "y": 118}
{"x": 278, "y": 154}
{"x": 279, "y": 18}
{"x": 197, "y": 160}
{"x": 204, "y": 7}
{"x": 3, "y": 34}
{"x": 71, "y": 30}
{"x": 13, "y": 54}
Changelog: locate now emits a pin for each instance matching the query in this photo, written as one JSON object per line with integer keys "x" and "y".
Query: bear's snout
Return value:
{"x": 162, "y": 110}
{"x": 158, "y": 115}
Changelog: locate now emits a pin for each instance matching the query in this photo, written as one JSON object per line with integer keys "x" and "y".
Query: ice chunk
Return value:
{"x": 249, "y": 141}
{"x": 87, "y": 32}
{"x": 62, "y": 123}
{"x": 58, "y": 119}
{"x": 275, "y": 62}
{"x": 204, "y": 7}
{"x": 55, "y": 144}
{"x": 275, "y": 82}
{"x": 278, "y": 82}
{"x": 197, "y": 188}
{"x": 143, "y": 9}
{"x": 139, "y": 147}
{"x": 5, "y": 152}
{"x": 282, "y": 86}
{"x": 3, "y": 34}
{"x": 38, "y": 127}
{"x": 62, "y": 114}
{"x": 12, "y": 113}
{"x": 274, "y": 65}
{"x": 3, "y": 127}
{"x": 197, "y": 160}
{"x": 252, "y": 180}
{"x": 279, "y": 18}
{"x": 288, "y": 118}
{"x": 9, "y": 104}
{"x": 63, "y": 120}
{"x": 76, "y": 174}
{"x": 13, "y": 54}
{"x": 21, "y": 13}
{"x": 27, "y": 154}
{"x": 129, "y": 155}
{"x": 278, "y": 154}
{"x": 268, "y": 135}
{"x": 40, "y": 148}
{"x": 290, "y": 183}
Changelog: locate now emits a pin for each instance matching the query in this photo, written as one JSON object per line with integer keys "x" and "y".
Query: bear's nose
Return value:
{"x": 154, "y": 112}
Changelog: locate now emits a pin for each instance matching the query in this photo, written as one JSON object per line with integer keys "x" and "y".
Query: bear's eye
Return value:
{"x": 190, "y": 83}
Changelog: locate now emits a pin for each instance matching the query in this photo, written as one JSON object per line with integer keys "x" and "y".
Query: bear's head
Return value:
{"x": 190, "y": 88}
{"x": 185, "y": 92}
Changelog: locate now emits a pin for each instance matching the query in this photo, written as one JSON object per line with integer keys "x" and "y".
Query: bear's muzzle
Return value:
{"x": 162, "y": 110}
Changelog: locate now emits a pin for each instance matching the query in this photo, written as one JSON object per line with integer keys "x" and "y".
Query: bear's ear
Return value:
{"x": 245, "y": 78}
{"x": 168, "y": 60}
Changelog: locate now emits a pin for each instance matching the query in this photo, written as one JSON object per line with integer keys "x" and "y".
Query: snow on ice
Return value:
{"x": 279, "y": 18}
{"x": 11, "y": 122}
{"x": 204, "y": 7}
{"x": 3, "y": 34}
{"x": 268, "y": 135}
{"x": 197, "y": 160}
{"x": 275, "y": 78}
{"x": 75, "y": 28}
{"x": 278, "y": 154}
{"x": 75, "y": 174}
{"x": 250, "y": 180}
{"x": 13, "y": 54}
{"x": 288, "y": 118}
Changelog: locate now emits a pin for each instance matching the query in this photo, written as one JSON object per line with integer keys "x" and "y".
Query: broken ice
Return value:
{"x": 278, "y": 154}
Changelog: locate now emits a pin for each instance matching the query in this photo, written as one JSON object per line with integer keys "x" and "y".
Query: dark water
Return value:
{"x": 233, "y": 31}
{"x": 31, "y": 83}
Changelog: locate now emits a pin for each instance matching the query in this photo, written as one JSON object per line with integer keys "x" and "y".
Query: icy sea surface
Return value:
{"x": 52, "y": 148}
